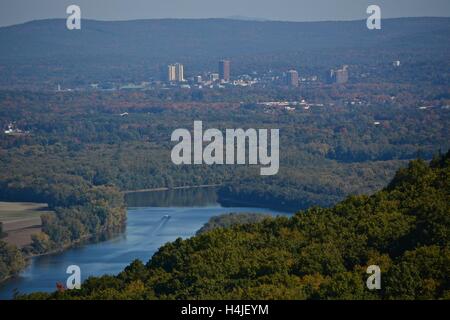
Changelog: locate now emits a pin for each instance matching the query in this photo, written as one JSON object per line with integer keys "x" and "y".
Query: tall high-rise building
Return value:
{"x": 179, "y": 72}
{"x": 224, "y": 70}
{"x": 292, "y": 78}
{"x": 175, "y": 72}
{"x": 342, "y": 75}
{"x": 171, "y": 73}
{"x": 339, "y": 76}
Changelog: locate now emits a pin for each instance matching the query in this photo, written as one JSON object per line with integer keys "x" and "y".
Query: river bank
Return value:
{"x": 172, "y": 188}
{"x": 201, "y": 202}
{"x": 148, "y": 228}
{"x": 33, "y": 211}
{"x": 28, "y": 256}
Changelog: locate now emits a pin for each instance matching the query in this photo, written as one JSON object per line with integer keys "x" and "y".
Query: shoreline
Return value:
{"x": 228, "y": 202}
{"x": 29, "y": 257}
{"x": 171, "y": 188}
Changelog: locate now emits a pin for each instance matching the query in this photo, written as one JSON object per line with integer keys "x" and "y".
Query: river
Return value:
{"x": 154, "y": 218}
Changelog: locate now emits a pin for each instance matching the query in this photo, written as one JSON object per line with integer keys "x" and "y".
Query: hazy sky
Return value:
{"x": 18, "y": 11}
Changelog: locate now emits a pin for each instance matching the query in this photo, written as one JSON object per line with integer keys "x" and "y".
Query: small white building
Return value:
{"x": 12, "y": 130}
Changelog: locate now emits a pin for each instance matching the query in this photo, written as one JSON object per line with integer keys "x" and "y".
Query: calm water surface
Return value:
{"x": 154, "y": 218}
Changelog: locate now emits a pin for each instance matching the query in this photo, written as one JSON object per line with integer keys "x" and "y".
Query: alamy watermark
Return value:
{"x": 74, "y": 280}
{"x": 374, "y": 280}
{"x": 73, "y": 21}
{"x": 236, "y": 152}
{"x": 374, "y": 20}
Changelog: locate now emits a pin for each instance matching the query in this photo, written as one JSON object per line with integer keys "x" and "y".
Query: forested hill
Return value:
{"x": 321, "y": 253}
{"x": 139, "y": 48}
{"x": 177, "y": 38}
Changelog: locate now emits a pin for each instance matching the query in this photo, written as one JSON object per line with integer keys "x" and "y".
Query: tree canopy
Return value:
{"x": 320, "y": 253}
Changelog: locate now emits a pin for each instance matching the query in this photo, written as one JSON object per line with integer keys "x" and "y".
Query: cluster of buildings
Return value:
{"x": 338, "y": 76}
{"x": 270, "y": 106}
{"x": 175, "y": 74}
{"x": 291, "y": 78}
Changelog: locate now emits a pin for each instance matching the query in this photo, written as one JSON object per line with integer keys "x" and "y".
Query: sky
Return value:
{"x": 19, "y": 11}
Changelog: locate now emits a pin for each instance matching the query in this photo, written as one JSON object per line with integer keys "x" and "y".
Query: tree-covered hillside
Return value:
{"x": 320, "y": 253}
{"x": 228, "y": 220}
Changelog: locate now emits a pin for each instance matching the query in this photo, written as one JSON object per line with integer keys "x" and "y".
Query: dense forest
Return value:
{"x": 326, "y": 152}
{"x": 320, "y": 253}
{"x": 76, "y": 152}
{"x": 231, "y": 219}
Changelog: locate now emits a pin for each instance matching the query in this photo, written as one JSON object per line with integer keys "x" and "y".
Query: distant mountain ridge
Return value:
{"x": 41, "y": 50}
{"x": 168, "y": 38}
{"x": 245, "y": 18}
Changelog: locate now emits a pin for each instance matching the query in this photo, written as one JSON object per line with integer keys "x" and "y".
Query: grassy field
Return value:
{"x": 21, "y": 220}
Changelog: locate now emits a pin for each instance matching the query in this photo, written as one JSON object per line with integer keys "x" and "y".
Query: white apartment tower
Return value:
{"x": 175, "y": 72}
{"x": 179, "y": 72}
{"x": 171, "y": 73}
